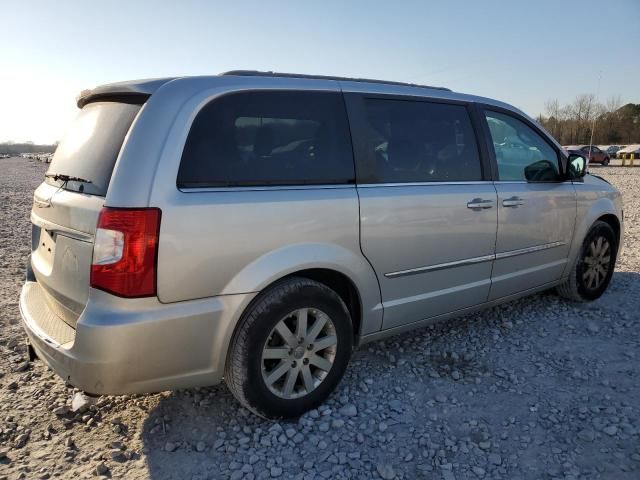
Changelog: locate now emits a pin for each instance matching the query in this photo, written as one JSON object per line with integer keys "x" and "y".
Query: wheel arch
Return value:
{"x": 613, "y": 222}
{"x": 347, "y": 273}
{"x": 344, "y": 287}
{"x": 604, "y": 209}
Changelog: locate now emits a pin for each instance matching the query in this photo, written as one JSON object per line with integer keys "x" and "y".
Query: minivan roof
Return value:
{"x": 135, "y": 91}
{"x": 256, "y": 73}
{"x": 147, "y": 87}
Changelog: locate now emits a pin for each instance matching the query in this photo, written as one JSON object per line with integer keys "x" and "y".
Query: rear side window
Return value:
{"x": 91, "y": 145}
{"x": 411, "y": 141}
{"x": 269, "y": 138}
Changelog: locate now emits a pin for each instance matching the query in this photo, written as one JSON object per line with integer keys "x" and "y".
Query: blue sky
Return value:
{"x": 522, "y": 52}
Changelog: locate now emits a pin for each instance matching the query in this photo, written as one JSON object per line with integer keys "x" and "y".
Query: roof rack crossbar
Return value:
{"x": 256, "y": 73}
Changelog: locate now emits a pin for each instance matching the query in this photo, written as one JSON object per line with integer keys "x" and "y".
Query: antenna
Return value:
{"x": 593, "y": 126}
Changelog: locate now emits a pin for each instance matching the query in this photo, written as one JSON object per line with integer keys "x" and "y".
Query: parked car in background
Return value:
{"x": 257, "y": 227}
{"x": 610, "y": 150}
{"x": 591, "y": 152}
{"x": 630, "y": 151}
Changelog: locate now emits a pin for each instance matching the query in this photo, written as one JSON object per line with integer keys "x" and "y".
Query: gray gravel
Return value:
{"x": 537, "y": 388}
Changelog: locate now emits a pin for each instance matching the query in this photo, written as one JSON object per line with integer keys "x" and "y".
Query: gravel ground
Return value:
{"x": 537, "y": 388}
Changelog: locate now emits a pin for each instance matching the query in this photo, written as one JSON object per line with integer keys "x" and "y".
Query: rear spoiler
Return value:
{"x": 136, "y": 91}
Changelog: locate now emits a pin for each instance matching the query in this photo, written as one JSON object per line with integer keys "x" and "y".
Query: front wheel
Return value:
{"x": 605, "y": 162}
{"x": 290, "y": 349}
{"x": 594, "y": 266}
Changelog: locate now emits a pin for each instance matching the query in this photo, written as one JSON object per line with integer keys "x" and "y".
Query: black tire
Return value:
{"x": 576, "y": 288}
{"x": 243, "y": 370}
{"x": 605, "y": 162}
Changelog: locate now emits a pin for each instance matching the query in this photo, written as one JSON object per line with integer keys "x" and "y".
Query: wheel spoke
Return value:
{"x": 318, "y": 325}
{"x": 286, "y": 334}
{"x": 275, "y": 353}
{"x": 290, "y": 382}
{"x": 599, "y": 245}
{"x": 307, "y": 378}
{"x": 605, "y": 249}
{"x": 301, "y": 327}
{"x": 606, "y": 260}
{"x": 276, "y": 373}
{"x": 320, "y": 362}
{"x": 325, "y": 342}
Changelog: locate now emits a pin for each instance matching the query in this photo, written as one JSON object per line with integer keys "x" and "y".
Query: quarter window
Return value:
{"x": 519, "y": 149}
{"x": 269, "y": 138}
{"x": 412, "y": 141}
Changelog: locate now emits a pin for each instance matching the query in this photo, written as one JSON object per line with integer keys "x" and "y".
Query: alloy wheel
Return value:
{"x": 299, "y": 353}
{"x": 596, "y": 263}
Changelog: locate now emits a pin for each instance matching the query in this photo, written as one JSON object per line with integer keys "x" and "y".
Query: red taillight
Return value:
{"x": 125, "y": 251}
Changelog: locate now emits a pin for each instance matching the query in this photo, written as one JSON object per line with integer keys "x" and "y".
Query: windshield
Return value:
{"x": 91, "y": 145}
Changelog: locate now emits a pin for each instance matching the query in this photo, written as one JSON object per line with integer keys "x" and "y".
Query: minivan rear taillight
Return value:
{"x": 125, "y": 251}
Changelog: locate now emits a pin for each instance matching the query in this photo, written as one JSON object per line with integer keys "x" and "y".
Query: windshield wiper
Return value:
{"x": 65, "y": 178}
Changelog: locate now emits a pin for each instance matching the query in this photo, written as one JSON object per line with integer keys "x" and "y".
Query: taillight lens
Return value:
{"x": 125, "y": 251}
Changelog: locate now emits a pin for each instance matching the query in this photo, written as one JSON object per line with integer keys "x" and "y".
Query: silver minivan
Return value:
{"x": 257, "y": 227}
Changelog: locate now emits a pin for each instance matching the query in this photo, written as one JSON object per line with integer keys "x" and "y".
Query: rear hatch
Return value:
{"x": 67, "y": 204}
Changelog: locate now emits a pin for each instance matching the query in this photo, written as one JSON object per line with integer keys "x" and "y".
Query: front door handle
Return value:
{"x": 513, "y": 202}
{"x": 479, "y": 203}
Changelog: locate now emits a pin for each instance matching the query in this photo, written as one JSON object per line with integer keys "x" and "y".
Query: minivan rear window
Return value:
{"x": 269, "y": 138}
{"x": 91, "y": 145}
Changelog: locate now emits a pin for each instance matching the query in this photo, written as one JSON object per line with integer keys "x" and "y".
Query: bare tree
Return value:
{"x": 611, "y": 123}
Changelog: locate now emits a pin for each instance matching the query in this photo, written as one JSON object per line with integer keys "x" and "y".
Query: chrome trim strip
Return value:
{"x": 261, "y": 188}
{"x": 523, "y": 251}
{"x": 440, "y": 266}
{"x": 250, "y": 188}
{"x": 59, "y": 229}
{"x": 423, "y": 184}
{"x": 473, "y": 261}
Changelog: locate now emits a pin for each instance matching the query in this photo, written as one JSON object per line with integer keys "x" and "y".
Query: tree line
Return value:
{"x": 571, "y": 124}
{"x": 12, "y": 148}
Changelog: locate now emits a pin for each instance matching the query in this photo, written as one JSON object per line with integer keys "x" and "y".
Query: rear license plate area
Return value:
{"x": 47, "y": 243}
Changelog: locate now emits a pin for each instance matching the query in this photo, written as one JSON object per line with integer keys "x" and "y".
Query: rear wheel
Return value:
{"x": 605, "y": 162}
{"x": 594, "y": 266}
{"x": 290, "y": 349}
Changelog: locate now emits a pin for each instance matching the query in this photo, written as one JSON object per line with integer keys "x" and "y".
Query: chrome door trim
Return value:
{"x": 249, "y": 188}
{"x": 262, "y": 188}
{"x": 440, "y": 266}
{"x": 523, "y": 251}
{"x": 423, "y": 184}
{"x": 474, "y": 260}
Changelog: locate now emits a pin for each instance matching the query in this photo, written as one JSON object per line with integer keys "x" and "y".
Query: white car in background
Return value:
{"x": 635, "y": 149}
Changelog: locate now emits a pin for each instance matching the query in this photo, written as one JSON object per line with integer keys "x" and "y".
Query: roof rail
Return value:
{"x": 256, "y": 73}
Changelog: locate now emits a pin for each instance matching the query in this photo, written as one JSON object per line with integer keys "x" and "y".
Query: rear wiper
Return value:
{"x": 65, "y": 178}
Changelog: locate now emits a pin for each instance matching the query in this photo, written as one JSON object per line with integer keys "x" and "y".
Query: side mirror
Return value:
{"x": 541, "y": 171}
{"x": 576, "y": 166}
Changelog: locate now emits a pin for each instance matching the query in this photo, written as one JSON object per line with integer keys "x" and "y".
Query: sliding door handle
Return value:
{"x": 512, "y": 202}
{"x": 479, "y": 204}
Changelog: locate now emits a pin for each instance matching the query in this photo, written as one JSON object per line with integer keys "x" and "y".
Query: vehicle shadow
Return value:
{"x": 203, "y": 433}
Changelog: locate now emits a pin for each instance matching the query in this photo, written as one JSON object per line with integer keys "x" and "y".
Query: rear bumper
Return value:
{"x": 125, "y": 346}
